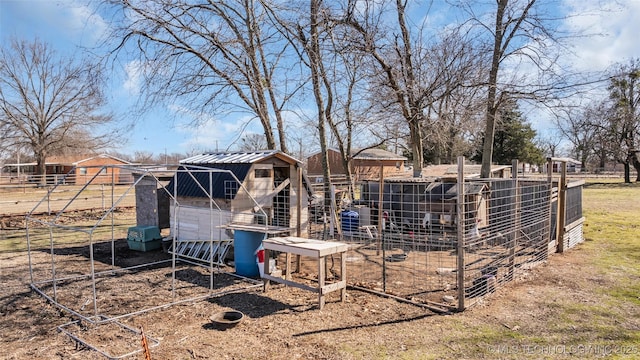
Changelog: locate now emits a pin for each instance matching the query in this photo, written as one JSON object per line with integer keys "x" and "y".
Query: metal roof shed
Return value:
{"x": 271, "y": 179}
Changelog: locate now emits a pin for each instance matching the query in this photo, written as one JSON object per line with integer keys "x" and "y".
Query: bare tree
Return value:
{"x": 312, "y": 48}
{"x": 253, "y": 142}
{"x": 218, "y": 56}
{"x": 396, "y": 60}
{"x": 624, "y": 122}
{"x": 46, "y": 102}
{"x": 345, "y": 80}
{"x": 517, "y": 34}
{"x": 453, "y": 120}
{"x": 418, "y": 75}
{"x": 580, "y": 127}
{"x": 143, "y": 157}
{"x": 337, "y": 75}
{"x": 550, "y": 144}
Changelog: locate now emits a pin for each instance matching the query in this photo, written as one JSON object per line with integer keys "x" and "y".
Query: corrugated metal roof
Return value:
{"x": 234, "y": 157}
{"x": 378, "y": 154}
{"x": 238, "y": 163}
{"x": 369, "y": 154}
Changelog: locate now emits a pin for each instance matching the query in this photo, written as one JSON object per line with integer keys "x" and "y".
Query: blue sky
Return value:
{"x": 70, "y": 24}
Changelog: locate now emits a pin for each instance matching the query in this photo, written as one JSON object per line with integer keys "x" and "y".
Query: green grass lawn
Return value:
{"x": 583, "y": 304}
{"x": 612, "y": 235}
{"x": 598, "y": 314}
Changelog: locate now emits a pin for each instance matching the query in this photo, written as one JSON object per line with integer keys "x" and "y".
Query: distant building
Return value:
{"x": 365, "y": 164}
{"x": 450, "y": 171}
{"x": 75, "y": 169}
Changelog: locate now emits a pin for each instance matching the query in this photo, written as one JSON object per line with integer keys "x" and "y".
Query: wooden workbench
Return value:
{"x": 312, "y": 248}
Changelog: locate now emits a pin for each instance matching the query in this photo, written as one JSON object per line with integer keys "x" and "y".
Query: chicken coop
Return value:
{"x": 446, "y": 243}
{"x": 266, "y": 188}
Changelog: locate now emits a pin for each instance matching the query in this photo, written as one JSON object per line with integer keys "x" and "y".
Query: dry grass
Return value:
{"x": 582, "y": 304}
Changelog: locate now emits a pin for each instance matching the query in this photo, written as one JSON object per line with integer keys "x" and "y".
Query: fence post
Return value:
{"x": 549, "y": 221}
{"x": 380, "y": 210}
{"x": 299, "y": 204}
{"x": 516, "y": 220}
{"x": 461, "y": 234}
{"x": 562, "y": 206}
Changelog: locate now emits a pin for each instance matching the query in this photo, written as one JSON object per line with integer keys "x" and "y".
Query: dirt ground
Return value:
{"x": 285, "y": 322}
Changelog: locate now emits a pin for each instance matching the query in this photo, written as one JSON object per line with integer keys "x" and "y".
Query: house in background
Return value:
{"x": 73, "y": 169}
{"x": 82, "y": 168}
{"x": 365, "y": 164}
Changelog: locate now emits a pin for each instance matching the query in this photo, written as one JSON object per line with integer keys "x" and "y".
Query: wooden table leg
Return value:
{"x": 288, "y": 267}
{"x": 343, "y": 275}
{"x": 265, "y": 281}
{"x": 321, "y": 276}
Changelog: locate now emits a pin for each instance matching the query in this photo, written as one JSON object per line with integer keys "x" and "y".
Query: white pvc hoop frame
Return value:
{"x": 152, "y": 171}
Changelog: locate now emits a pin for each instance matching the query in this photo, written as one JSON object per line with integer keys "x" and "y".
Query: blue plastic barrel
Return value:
{"x": 245, "y": 245}
{"x": 350, "y": 221}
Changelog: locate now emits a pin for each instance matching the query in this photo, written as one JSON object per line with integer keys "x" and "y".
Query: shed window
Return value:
{"x": 230, "y": 189}
{"x": 263, "y": 173}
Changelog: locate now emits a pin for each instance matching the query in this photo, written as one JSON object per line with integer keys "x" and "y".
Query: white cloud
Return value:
{"x": 82, "y": 19}
{"x": 614, "y": 32}
{"x": 62, "y": 23}
{"x": 133, "y": 71}
{"x": 206, "y": 133}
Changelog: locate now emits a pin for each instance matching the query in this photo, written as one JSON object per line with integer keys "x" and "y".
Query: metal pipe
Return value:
{"x": 401, "y": 299}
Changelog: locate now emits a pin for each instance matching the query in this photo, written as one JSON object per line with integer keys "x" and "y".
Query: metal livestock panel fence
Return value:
{"x": 443, "y": 244}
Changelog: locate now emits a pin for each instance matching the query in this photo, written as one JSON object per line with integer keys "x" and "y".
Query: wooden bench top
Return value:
{"x": 304, "y": 247}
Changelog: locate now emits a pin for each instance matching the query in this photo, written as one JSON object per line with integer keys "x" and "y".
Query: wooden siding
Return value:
{"x": 94, "y": 166}
{"x": 361, "y": 169}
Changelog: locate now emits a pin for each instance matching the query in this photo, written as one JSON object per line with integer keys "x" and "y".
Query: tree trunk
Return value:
{"x": 41, "y": 167}
{"x": 313, "y": 51}
{"x": 346, "y": 164}
{"x": 492, "y": 108}
{"x": 627, "y": 173}
{"x": 583, "y": 161}
{"x": 416, "y": 147}
{"x": 636, "y": 165}
{"x": 414, "y": 119}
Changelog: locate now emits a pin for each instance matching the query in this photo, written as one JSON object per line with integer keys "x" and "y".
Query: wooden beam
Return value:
{"x": 461, "y": 235}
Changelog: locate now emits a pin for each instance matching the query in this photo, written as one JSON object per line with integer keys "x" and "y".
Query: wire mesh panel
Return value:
{"x": 572, "y": 232}
{"x": 406, "y": 240}
{"x": 516, "y": 236}
{"x": 281, "y": 205}
{"x": 574, "y": 203}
